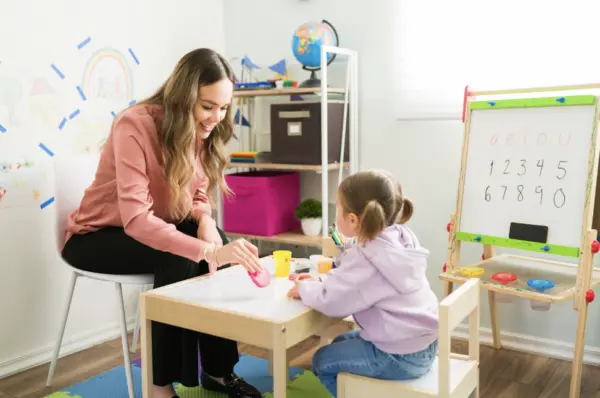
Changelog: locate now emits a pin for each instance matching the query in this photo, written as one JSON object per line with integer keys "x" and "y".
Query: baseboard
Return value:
{"x": 518, "y": 342}
{"x": 535, "y": 345}
{"x": 69, "y": 346}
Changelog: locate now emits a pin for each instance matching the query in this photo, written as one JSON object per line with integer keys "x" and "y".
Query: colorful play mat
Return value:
{"x": 303, "y": 384}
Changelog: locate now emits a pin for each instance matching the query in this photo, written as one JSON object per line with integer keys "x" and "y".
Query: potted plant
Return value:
{"x": 309, "y": 212}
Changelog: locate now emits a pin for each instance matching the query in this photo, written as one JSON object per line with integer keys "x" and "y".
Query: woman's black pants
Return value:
{"x": 174, "y": 350}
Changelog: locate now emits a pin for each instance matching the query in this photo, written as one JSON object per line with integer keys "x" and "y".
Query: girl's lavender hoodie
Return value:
{"x": 384, "y": 286}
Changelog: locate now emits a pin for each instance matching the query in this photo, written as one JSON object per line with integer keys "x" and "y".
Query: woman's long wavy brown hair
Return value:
{"x": 177, "y": 132}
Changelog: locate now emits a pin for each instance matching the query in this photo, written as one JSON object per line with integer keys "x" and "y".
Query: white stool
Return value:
{"x": 452, "y": 375}
{"x": 72, "y": 176}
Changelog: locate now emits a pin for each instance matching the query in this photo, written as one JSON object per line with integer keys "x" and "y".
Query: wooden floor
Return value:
{"x": 504, "y": 373}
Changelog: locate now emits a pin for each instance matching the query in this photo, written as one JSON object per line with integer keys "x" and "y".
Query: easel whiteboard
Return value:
{"x": 528, "y": 162}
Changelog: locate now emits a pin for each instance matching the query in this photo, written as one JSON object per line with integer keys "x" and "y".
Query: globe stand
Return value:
{"x": 319, "y": 37}
{"x": 312, "y": 81}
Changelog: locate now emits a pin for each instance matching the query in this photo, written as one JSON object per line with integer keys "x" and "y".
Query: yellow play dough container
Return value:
{"x": 325, "y": 265}
{"x": 283, "y": 259}
{"x": 471, "y": 272}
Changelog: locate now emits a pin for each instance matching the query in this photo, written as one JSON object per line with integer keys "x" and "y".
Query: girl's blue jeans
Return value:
{"x": 350, "y": 353}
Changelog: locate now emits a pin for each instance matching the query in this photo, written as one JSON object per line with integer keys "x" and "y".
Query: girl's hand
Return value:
{"x": 302, "y": 277}
{"x": 297, "y": 278}
{"x": 237, "y": 252}
{"x": 207, "y": 230}
{"x": 293, "y": 293}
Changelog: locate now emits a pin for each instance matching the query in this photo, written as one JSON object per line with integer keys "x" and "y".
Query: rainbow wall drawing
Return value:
{"x": 108, "y": 76}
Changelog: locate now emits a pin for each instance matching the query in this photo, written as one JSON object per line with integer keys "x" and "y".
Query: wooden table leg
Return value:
{"x": 280, "y": 364}
{"x": 270, "y": 362}
{"x": 146, "y": 333}
{"x": 280, "y": 373}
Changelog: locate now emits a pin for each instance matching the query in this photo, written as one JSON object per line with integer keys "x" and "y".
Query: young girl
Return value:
{"x": 381, "y": 281}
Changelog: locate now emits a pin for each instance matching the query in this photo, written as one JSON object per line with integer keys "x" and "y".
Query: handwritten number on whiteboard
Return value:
{"x": 520, "y": 195}
{"x": 564, "y": 171}
{"x": 523, "y": 161}
{"x": 559, "y": 198}
{"x": 540, "y": 190}
{"x": 507, "y": 161}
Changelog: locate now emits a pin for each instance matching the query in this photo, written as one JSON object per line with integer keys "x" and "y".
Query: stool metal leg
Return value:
{"x": 61, "y": 330}
{"x": 123, "y": 323}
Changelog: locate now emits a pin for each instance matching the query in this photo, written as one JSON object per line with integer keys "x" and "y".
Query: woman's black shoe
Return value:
{"x": 234, "y": 386}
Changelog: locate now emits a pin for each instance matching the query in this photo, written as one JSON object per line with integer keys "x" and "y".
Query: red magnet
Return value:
{"x": 444, "y": 268}
{"x": 449, "y": 226}
{"x": 589, "y": 296}
{"x": 483, "y": 256}
{"x": 504, "y": 278}
{"x": 595, "y": 246}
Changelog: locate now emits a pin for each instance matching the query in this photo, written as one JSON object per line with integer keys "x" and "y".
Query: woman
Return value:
{"x": 148, "y": 211}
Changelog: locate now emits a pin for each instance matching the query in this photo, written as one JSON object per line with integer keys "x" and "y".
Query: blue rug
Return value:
{"x": 254, "y": 370}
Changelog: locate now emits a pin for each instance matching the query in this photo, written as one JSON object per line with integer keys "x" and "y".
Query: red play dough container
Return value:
{"x": 506, "y": 279}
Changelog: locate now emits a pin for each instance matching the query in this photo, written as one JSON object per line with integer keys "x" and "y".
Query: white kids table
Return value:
{"x": 227, "y": 304}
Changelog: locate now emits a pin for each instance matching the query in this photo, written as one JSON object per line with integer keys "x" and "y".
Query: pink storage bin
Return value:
{"x": 263, "y": 204}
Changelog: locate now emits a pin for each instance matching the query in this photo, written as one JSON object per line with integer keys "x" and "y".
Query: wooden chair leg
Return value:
{"x": 341, "y": 385}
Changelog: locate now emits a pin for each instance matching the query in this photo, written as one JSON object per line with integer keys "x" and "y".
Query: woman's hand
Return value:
{"x": 207, "y": 230}
{"x": 237, "y": 252}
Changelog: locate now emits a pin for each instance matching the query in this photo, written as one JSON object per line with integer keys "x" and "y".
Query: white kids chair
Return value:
{"x": 452, "y": 375}
{"x": 73, "y": 175}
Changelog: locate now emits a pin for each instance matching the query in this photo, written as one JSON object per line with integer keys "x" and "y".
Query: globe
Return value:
{"x": 306, "y": 47}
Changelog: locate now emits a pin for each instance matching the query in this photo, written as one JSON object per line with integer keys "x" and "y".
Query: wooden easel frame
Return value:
{"x": 583, "y": 292}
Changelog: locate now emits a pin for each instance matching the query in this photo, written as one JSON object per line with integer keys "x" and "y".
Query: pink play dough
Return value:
{"x": 261, "y": 278}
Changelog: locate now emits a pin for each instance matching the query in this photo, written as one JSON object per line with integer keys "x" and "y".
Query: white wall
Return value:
{"x": 425, "y": 155}
{"x": 35, "y": 34}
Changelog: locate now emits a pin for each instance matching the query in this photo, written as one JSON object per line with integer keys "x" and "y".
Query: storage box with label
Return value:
{"x": 296, "y": 132}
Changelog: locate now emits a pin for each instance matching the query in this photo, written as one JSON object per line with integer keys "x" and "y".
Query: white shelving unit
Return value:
{"x": 350, "y": 94}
